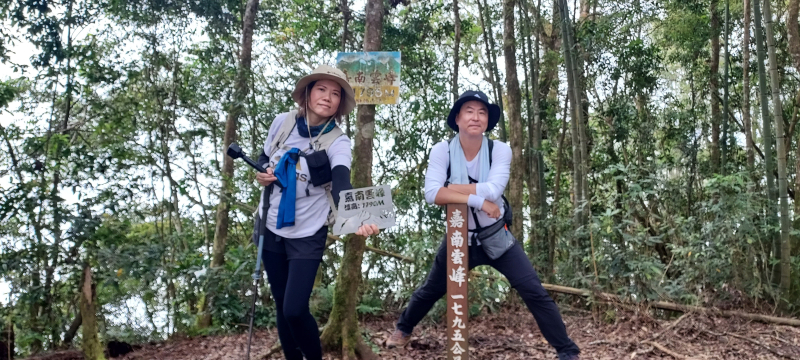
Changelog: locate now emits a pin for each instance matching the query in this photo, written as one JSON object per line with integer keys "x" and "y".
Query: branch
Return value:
{"x": 333, "y": 238}
{"x": 776, "y": 352}
{"x": 664, "y": 304}
{"x": 664, "y": 349}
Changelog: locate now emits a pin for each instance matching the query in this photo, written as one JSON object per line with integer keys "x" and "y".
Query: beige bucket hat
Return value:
{"x": 325, "y": 72}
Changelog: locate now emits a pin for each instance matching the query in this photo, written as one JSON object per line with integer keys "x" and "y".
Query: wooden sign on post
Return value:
{"x": 457, "y": 270}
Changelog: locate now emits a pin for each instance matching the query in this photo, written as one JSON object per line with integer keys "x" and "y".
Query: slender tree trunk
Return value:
{"x": 767, "y": 140}
{"x": 725, "y": 108}
{"x": 713, "y": 85}
{"x": 456, "y": 44}
{"x": 536, "y": 195}
{"x": 514, "y": 115}
{"x": 231, "y": 124}
{"x": 577, "y": 116}
{"x": 92, "y": 348}
{"x": 780, "y": 134}
{"x": 793, "y": 30}
{"x": 794, "y": 48}
{"x": 796, "y": 245}
{"x": 488, "y": 34}
{"x": 347, "y": 16}
{"x": 582, "y": 62}
{"x": 342, "y": 331}
{"x": 551, "y": 251}
{"x": 73, "y": 328}
{"x": 748, "y": 131}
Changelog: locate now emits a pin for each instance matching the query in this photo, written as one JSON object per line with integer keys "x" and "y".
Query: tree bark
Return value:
{"x": 456, "y": 44}
{"x": 577, "y": 116}
{"x": 793, "y": 30}
{"x": 551, "y": 250}
{"x": 342, "y": 331}
{"x": 780, "y": 134}
{"x": 514, "y": 116}
{"x": 580, "y": 63}
{"x": 794, "y": 48}
{"x": 725, "y": 108}
{"x": 748, "y": 131}
{"x": 235, "y": 111}
{"x": 713, "y": 87}
{"x": 768, "y": 141}
{"x": 90, "y": 344}
{"x": 536, "y": 194}
{"x": 488, "y": 38}
{"x": 347, "y": 15}
{"x": 73, "y": 328}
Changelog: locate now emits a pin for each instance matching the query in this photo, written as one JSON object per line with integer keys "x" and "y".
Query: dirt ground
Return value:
{"x": 513, "y": 335}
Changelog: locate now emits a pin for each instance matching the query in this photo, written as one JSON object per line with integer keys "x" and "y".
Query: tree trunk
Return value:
{"x": 551, "y": 250}
{"x": 785, "y": 221}
{"x": 236, "y": 110}
{"x": 725, "y": 108}
{"x": 796, "y": 245}
{"x": 344, "y": 6}
{"x": 514, "y": 116}
{"x": 582, "y": 62}
{"x": 342, "y": 331}
{"x": 748, "y": 131}
{"x": 7, "y": 342}
{"x": 793, "y": 29}
{"x": 55, "y": 197}
{"x": 574, "y": 94}
{"x": 767, "y": 140}
{"x": 713, "y": 86}
{"x": 536, "y": 194}
{"x": 90, "y": 344}
{"x": 73, "y": 329}
{"x": 794, "y": 48}
{"x": 488, "y": 38}
{"x": 456, "y": 44}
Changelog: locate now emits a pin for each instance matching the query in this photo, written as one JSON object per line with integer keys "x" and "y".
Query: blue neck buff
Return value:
{"x": 302, "y": 127}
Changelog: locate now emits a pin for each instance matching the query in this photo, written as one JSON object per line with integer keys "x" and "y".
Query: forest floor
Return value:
{"x": 513, "y": 334}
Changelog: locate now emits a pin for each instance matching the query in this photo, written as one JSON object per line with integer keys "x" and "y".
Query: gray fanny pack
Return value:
{"x": 494, "y": 239}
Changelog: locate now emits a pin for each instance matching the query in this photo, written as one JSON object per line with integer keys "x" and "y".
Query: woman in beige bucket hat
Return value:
{"x": 307, "y": 156}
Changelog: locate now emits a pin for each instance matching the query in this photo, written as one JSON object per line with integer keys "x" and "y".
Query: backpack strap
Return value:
{"x": 323, "y": 142}
{"x": 284, "y": 131}
{"x": 507, "y": 210}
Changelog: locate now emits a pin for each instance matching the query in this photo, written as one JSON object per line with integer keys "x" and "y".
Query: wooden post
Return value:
{"x": 457, "y": 275}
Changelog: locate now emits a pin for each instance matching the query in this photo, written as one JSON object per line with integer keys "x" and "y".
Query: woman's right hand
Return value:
{"x": 267, "y": 178}
{"x": 491, "y": 209}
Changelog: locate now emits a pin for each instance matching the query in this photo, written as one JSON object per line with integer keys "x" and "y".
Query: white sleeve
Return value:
{"x": 339, "y": 152}
{"x": 492, "y": 189}
{"x": 436, "y": 174}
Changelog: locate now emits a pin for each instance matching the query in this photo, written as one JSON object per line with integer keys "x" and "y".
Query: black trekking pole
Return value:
{"x": 235, "y": 152}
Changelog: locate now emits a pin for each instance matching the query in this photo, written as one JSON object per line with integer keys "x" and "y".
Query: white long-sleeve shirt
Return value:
{"x": 491, "y": 190}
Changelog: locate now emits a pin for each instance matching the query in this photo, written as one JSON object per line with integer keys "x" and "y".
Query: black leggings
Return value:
{"x": 514, "y": 264}
{"x": 297, "y": 329}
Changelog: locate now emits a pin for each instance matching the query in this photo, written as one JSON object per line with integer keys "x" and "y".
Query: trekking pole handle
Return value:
{"x": 235, "y": 152}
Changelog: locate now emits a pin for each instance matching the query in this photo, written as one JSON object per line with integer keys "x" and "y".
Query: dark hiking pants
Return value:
{"x": 516, "y": 267}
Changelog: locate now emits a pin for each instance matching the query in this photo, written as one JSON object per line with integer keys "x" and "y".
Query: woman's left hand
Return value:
{"x": 367, "y": 230}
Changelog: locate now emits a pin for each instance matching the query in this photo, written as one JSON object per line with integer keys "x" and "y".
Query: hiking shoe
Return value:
{"x": 568, "y": 357}
{"x": 398, "y": 339}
